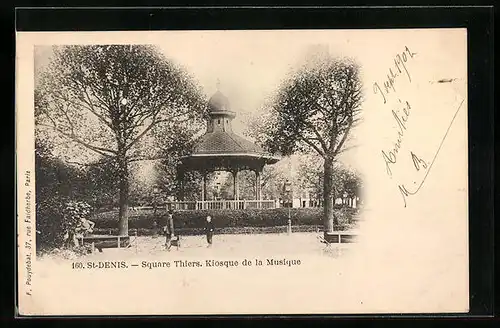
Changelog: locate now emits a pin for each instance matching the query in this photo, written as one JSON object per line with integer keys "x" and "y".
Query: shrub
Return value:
{"x": 57, "y": 219}
{"x": 73, "y": 213}
{"x": 49, "y": 220}
{"x": 258, "y": 218}
{"x": 232, "y": 230}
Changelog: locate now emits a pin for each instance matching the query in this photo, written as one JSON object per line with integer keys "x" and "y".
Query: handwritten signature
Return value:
{"x": 418, "y": 163}
{"x": 390, "y": 157}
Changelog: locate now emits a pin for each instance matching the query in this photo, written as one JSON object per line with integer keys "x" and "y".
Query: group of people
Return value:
{"x": 168, "y": 230}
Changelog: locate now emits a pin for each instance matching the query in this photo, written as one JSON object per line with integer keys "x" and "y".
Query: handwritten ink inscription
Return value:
{"x": 401, "y": 115}
{"x": 419, "y": 163}
{"x": 399, "y": 68}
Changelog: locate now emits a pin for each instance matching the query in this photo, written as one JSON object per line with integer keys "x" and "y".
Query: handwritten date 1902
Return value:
{"x": 399, "y": 67}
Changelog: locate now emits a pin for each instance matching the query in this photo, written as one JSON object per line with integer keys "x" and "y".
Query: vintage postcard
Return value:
{"x": 242, "y": 172}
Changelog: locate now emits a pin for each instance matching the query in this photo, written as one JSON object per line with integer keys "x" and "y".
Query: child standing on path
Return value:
{"x": 168, "y": 229}
{"x": 209, "y": 230}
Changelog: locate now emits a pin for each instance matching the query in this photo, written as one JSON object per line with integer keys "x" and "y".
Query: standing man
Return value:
{"x": 168, "y": 229}
{"x": 209, "y": 230}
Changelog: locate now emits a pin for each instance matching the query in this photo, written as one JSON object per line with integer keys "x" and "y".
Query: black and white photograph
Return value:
{"x": 242, "y": 172}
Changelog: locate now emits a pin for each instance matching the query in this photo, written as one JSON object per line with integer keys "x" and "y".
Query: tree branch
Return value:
{"x": 90, "y": 164}
{"x": 99, "y": 150}
{"x": 319, "y": 137}
{"x": 347, "y": 148}
{"x": 93, "y": 111}
{"x": 146, "y": 158}
{"x": 316, "y": 148}
{"x": 72, "y": 127}
{"x": 89, "y": 107}
{"x": 149, "y": 127}
{"x": 344, "y": 137}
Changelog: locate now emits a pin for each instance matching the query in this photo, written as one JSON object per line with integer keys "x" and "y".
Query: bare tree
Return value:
{"x": 314, "y": 111}
{"x": 109, "y": 104}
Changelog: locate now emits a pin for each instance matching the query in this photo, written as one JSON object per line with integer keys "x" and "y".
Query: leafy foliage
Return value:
{"x": 102, "y": 183}
{"x": 313, "y": 112}
{"x": 173, "y": 147}
{"x": 107, "y": 98}
{"x": 108, "y": 104}
{"x": 315, "y": 108}
{"x": 56, "y": 213}
{"x": 345, "y": 180}
{"x": 73, "y": 212}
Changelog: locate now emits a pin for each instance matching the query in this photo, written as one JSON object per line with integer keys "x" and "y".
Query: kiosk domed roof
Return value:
{"x": 219, "y": 147}
{"x": 218, "y": 102}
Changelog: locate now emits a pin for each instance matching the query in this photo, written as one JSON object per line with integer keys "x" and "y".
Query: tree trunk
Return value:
{"x": 330, "y": 221}
{"x": 124, "y": 197}
{"x": 180, "y": 176}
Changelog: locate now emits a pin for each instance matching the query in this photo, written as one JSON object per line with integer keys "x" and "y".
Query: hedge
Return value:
{"x": 232, "y": 230}
{"x": 256, "y": 218}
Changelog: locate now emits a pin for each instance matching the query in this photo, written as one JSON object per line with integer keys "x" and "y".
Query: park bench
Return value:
{"x": 337, "y": 238}
{"x": 105, "y": 241}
